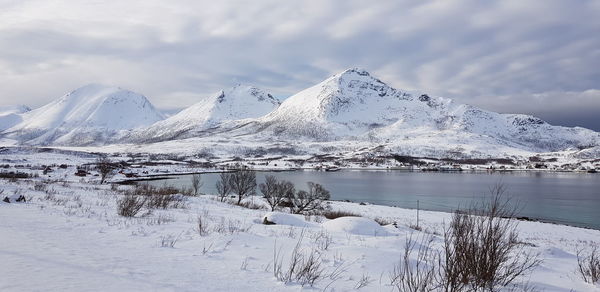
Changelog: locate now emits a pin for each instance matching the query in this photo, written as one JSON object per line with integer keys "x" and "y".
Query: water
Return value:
{"x": 565, "y": 198}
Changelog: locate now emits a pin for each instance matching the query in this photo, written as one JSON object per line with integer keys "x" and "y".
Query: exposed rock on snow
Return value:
{"x": 16, "y": 198}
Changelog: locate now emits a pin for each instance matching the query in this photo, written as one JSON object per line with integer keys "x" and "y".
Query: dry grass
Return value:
{"x": 303, "y": 268}
{"x": 333, "y": 214}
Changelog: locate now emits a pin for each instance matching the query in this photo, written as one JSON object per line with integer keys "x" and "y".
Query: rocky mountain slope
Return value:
{"x": 353, "y": 105}
{"x": 348, "y": 111}
{"x": 237, "y": 103}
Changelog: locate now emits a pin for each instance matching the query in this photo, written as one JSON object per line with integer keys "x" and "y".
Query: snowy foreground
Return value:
{"x": 68, "y": 237}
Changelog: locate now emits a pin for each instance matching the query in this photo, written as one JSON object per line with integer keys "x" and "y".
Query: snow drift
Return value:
{"x": 355, "y": 225}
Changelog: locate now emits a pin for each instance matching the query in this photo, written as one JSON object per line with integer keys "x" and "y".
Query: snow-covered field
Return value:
{"x": 68, "y": 237}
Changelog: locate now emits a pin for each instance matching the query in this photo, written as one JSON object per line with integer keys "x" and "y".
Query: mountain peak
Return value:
{"x": 241, "y": 101}
{"x": 244, "y": 93}
{"x": 354, "y": 71}
{"x": 14, "y": 109}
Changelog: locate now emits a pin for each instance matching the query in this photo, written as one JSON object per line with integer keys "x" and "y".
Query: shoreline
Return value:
{"x": 150, "y": 177}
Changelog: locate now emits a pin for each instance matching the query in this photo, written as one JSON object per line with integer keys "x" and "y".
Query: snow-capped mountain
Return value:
{"x": 237, "y": 103}
{"x": 89, "y": 115}
{"x": 11, "y": 115}
{"x": 353, "y": 105}
{"x": 348, "y": 111}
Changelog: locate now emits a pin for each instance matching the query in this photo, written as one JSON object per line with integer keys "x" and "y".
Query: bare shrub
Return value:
{"x": 105, "y": 168}
{"x": 196, "y": 183}
{"x": 164, "y": 201}
{"x": 588, "y": 264}
{"x": 236, "y": 226}
{"x": 159, "y": 220}
{"x": 276, "y": 192}
{"x": 207, "y": 248}
{"x": 158, "y": 197}
{"x": 303, "y": 267}
{"x": 202, "y": 226}
{"x": 130, "y": 205}
{"x": 417, "y": 275}
{"x": 481, "y": 247}
{"x": 231, "y": 226}
{"x": 333, "y": 214}
{"x": 223, "y": 185}
{"x": 364, "y": 281}
{"x": 244, "y": 265}
{"x": 169, "y": 240}
{"x": 384, "y": 221}
{"x": 312, "y": 200}
{"x": 243, "y": 183}
{"x": 323, "y": 240}
{"x": 40, "y": 186}
{"x": 252, "y": 205}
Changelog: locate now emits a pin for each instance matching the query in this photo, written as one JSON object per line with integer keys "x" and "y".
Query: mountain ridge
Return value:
{"x": 351, "y": 106}
{"x": 232, "y": 104}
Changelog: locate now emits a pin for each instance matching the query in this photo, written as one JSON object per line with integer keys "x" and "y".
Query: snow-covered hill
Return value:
{"x": 237, "y": 103}
{"x": 11, "y": 115}
{"x": 353, "y": 105}
{"x": 346, "y": 112}
{"x": 89, "y": 115}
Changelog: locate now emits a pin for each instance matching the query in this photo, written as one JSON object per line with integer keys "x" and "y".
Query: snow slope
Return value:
{"x": 11, "y": 115}
{"x": 237, "y": 103}
{"x": 88, "y": 115}
{"x": 68, "y": 237}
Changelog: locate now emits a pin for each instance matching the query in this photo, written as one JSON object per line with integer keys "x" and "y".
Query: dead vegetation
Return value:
{"x": 588, "y": 264}
{"x": 481, "y": 252}
{"x": 130, "y": 205}
{"x": 334, "y": 214}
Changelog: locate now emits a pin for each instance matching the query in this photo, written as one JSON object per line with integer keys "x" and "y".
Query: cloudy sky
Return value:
{"x": 536, "y": 57}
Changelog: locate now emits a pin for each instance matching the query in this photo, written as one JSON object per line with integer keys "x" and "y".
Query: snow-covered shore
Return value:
{"x": 68, "y": 237}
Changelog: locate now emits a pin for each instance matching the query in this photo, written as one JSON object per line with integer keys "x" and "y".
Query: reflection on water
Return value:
{"x": 569, "y": 198}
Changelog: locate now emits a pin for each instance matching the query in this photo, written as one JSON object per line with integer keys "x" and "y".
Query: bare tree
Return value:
{"x": 223, "y": 185}
{"x": 243, "y": 183}
{"x": 196, "y": 183}
{"x": 276, "y": 191}
{"x": 105, "y": 168}
{"x": 311, "y": 200}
